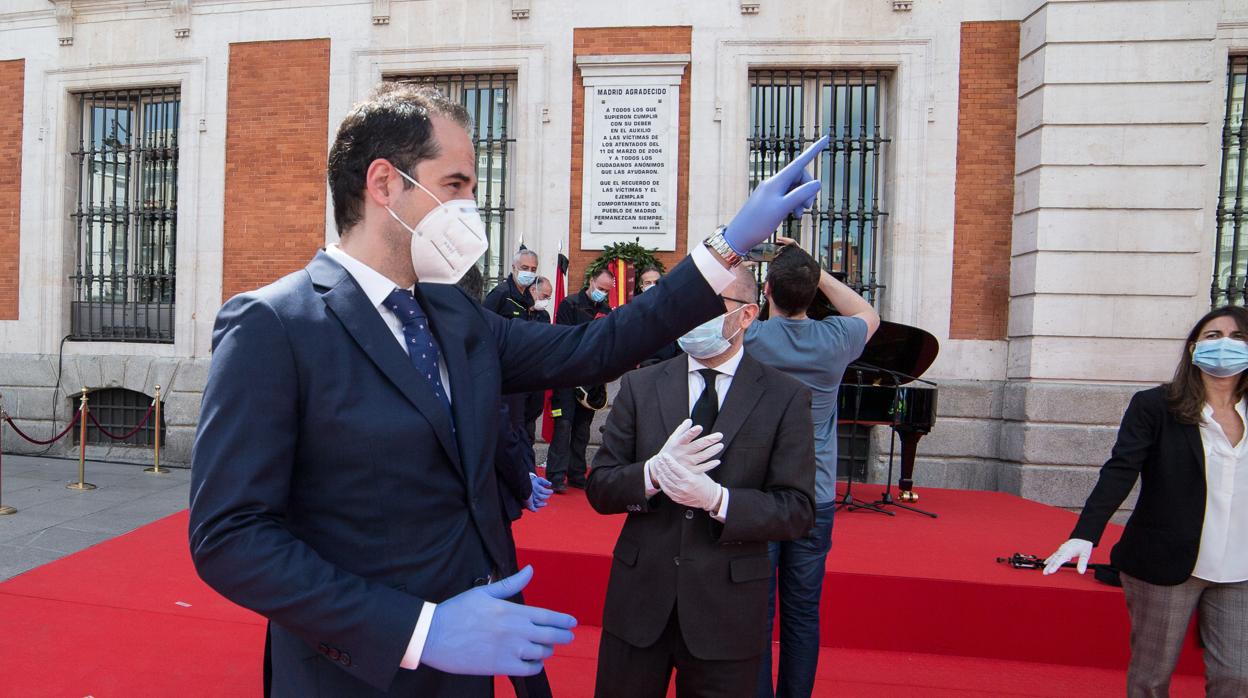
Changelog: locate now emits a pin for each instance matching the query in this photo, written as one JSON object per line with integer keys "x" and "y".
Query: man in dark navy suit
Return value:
{"x": 342, "y": 481}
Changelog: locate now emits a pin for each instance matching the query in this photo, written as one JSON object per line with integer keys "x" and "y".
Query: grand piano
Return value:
{"x": 884, "y": 388}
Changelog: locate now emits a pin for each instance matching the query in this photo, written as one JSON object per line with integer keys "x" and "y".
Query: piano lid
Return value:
{"x": 899, "y": 348}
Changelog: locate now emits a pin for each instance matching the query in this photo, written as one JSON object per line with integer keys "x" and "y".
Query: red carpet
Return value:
{"x": 905, "y": 583}
{"x": 913, "y": 607}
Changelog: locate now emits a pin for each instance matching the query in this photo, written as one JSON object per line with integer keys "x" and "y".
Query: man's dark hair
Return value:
{"x": 794, "y": 279}
{"x": 601, "y": 271}
{"x": 392, "y": 124}
{"x": 473, "y": 283}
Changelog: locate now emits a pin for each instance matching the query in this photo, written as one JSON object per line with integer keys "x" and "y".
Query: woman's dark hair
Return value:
{"x": 794, "y": 278}
{"x": 392, "y": 124}
{"x": 1185, "y": 395}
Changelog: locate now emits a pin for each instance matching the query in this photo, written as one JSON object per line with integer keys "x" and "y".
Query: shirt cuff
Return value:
{"x": 723, "y": 507}
{"x": 712, "y": 269}
{"x": 415, "y": 648}
{"x": 645, "y": 474}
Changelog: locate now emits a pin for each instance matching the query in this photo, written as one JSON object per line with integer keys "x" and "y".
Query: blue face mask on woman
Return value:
{"x": 1222, "y": 357}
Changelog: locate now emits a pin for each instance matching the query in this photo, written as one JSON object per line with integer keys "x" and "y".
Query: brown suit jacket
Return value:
{"x": 716, "y": 575}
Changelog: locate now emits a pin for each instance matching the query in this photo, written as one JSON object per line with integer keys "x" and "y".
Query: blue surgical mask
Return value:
{"x": 707, "y": 340}
{"x": 1221, "y": 357}
{"x": 526, "y": 278}
{"x": 597, "y": 295}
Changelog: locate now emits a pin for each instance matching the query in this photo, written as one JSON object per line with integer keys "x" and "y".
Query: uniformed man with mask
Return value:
{"x": 571, "y": 408}
{"x": 513, "y": 298}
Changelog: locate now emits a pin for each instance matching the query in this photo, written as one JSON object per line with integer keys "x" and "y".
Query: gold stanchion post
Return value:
{"x": 82, "y": 485}
{"x": 156, "y": 469}
{"x": 4, "y": 511}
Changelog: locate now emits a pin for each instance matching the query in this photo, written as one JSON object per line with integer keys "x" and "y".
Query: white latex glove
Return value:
{"x": 686, "y": 486}
{"x": 685, "y": 448}
{"x": 1075, "y": 547}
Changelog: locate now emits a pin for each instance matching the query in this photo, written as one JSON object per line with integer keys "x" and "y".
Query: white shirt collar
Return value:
{"x": 728, "y": 368}
{"x": 374, "y": 284}
{"x": 1206, "y": 412}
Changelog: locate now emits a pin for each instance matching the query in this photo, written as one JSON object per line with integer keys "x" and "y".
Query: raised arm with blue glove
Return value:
{"x": 791, "y": 190}
{"x": 479, "y": 633}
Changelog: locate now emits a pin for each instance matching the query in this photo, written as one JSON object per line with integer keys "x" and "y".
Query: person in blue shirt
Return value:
{"x": 815, "y": 352}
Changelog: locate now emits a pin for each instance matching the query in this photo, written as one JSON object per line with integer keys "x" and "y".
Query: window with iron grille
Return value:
{"x": 792, "y": 108}
{"x": 119, "y": 411}
{"x": 1230, "y": 259}
{"x": 488, "y": 98}
{"x": 126, "y": 215}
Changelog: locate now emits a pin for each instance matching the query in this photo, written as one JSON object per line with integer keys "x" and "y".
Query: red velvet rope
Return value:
{"x": 54, "y": 439}
{"x": 114, "y": 437}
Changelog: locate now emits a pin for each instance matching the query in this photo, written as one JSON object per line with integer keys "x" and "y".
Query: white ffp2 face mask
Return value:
{"x": 447, "y": 241}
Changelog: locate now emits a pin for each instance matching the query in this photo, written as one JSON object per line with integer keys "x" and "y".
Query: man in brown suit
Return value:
{"x": 691, "y": 574}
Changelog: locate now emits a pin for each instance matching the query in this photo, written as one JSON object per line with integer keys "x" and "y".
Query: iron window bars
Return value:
{"x": 791, "y": 108}
{"x": 119, "y": 411}
{"x": 126, "y": 215}
{"x": 1230, "y": 260}
{"x": 488, "y": 99}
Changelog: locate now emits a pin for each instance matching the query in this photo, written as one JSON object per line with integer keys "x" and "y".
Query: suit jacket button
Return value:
{"x": 676, "y": 560}
{"x": 345, "y": 659}
{"x": 689, "y": 513}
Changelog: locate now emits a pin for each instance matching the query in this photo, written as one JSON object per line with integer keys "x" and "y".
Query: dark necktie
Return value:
{"x": 706, "y": 409}
{"x": 422, "y": 348}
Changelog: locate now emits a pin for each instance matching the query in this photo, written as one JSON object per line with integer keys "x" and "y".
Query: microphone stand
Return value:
{"x": 886, "y": 498}
{"x": 847, "y": 500}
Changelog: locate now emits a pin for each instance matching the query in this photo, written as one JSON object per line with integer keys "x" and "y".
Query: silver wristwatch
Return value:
{"x": 719, "y": 245}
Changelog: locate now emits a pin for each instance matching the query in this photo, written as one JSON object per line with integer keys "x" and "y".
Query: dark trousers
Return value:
{"x": 800, "y": 565}
{"x": 534, "y": 405}
{"x": 626, "y": 671}
{"x": 566, "y": 459}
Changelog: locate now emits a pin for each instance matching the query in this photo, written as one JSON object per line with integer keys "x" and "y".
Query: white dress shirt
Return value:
{"x": 1223, "y": 555}
{"x": 697, "y": 384}
{"x": 377, "y": 287}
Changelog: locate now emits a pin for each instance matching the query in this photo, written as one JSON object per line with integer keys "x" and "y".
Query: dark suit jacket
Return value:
{"x": 328, "y": 490}
{"x": 513, "y": 461}
{"x": 716, "y": 575}
{"x": 1161, "y": 539}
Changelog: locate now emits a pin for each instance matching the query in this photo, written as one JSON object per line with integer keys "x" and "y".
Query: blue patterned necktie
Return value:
{"x": 422, "y": 348}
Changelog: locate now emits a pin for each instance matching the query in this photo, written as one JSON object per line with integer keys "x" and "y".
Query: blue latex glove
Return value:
{"x": 541, "y": 492}
{"x": 479, "y": 634}
{"x": 791, "y": 190}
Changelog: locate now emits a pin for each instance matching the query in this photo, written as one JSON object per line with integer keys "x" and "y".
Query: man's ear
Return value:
{"x": 381, "y": 182}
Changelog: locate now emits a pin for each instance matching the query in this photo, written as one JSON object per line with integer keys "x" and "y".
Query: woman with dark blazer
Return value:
{"x": 1186, "y": 544}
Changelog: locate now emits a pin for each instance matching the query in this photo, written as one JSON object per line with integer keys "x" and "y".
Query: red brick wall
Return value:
{"x": 621, "y": 41}
{"x": 12, "y": 96}
{"x": 275, "y": 155}
{"x": 984, "y": 191}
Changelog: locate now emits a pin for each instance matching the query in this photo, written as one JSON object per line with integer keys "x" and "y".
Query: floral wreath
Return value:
{"x": 631, "y": 252}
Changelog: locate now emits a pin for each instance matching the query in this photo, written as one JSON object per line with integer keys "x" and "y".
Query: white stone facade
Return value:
{"x": 1120, "y": 106}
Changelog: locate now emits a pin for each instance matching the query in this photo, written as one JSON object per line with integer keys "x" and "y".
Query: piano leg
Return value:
{"x": 909, "y": 449}
{"x": 905, "y": 484}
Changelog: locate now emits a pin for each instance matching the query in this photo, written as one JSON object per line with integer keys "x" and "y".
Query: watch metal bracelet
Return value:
{"x": 720, "y": 246}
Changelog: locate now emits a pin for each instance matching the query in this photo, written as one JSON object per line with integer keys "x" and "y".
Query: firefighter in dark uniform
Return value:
{"x": 573, "y": 410}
